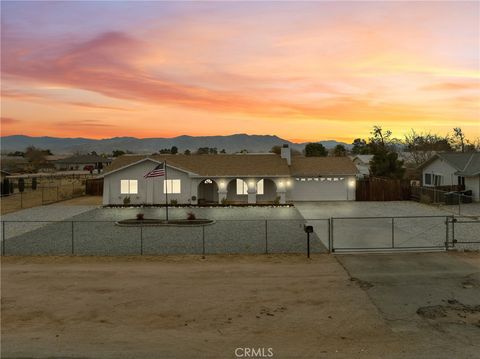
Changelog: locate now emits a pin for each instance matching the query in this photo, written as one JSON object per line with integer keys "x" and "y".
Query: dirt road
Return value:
{"x": 188, "y": 307}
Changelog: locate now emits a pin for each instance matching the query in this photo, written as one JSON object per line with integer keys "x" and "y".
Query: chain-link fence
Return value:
{"x": 107, "y": 238}
{"x": 452, "y": 200}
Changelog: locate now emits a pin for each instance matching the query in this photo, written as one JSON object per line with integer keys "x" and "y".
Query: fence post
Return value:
{"x": 73, "y": 243}
{"x": 266, "y": 237}
{"x": 329, "y": 237}
{"x": 3, "y": 238}
{"x": 203, "y": 242}
{"x": 446, "y": 233}
{"x": 393, "y": 232}
{"x": 453, "y": 231}
{"x": 331, "y": 223}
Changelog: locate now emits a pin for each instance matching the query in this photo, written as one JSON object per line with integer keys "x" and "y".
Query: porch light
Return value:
{"x": 351, "y": 183}
{"x": 251, "y": 184}
{"x": 289, "y": 183}
{"x": 280, "y": 184}
{"x": 222, "y": 184}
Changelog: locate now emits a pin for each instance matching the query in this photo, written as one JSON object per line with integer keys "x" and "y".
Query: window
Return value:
{"x": 437, "y": 180}
{"x": 461, "y": 181}
{"x": 128, "y": 186}
{"x": 260, "y": 187}
{"x": 242, "y": 187}
{"x": 171, "y": 186}
{"x": 428, "y": 178}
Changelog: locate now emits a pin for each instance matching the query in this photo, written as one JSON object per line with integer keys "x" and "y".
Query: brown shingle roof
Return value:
{"x": 247, "y": 165}
{"x": 322, "y": 166}
{"x": 217, "y": 165}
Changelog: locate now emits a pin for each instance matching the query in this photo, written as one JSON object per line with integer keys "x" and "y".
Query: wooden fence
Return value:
{"x": 382, "y": 189}
{"x": 94, "y": 187}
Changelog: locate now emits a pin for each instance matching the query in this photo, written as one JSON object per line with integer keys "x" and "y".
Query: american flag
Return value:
{"x": 157, "y": 171}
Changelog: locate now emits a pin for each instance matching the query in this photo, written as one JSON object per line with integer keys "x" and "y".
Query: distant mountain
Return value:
{"x": 231, "y": 143}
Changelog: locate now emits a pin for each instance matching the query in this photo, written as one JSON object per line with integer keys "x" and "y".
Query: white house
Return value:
{"x": 453, "y": 168}
{"x": 362, "y": 162}
{"x": 239, "y": 178}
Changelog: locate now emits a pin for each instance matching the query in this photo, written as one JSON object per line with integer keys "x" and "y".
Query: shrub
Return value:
{"x": 126, "y": 200}
{"x": 21, "y": 185}
{"x": 224, "y": 201}
{"x": 425, "y": 199}
{"x": 173, "y": 202}
{"x": 191, "y": 216}
{"x": 276, "y": 201}
{"x": 140, "y": 217}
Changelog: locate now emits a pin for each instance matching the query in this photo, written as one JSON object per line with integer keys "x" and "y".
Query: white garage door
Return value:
{"x": 319, "y": 191}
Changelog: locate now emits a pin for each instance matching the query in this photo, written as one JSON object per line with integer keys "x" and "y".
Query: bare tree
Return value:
{"x": 460, "y": 137}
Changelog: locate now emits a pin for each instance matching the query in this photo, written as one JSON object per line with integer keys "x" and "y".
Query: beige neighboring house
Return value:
{"x": 237, "y": 178}
{"x": 362, "y": 162}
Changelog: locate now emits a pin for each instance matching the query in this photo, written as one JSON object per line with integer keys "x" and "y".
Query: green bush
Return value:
{"x": 224, "y": 201}
{"x": 173, "y": 202}
{"x": 126, "y": 200}
{"x": 276, "y": 201}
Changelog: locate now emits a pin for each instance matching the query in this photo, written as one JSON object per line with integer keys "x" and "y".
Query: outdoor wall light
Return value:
{"x": 280, "y": 184}
{"x": 351, "y": 183}
{"x": 289, "y": 183}
{"x": 251, "y": 184}
{"x": 222, "y": 184}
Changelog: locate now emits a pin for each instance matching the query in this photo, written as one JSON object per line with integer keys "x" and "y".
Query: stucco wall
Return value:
{"x": 440, "y": 167}
{"x": 321, "y": 191}
{"x": 473, "y": 184}
{"x": 150, "y": 190}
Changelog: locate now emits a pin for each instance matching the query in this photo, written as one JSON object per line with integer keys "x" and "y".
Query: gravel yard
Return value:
{"x": 236, "y": 230}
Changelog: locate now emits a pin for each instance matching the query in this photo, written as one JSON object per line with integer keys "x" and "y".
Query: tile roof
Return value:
{"x": 247, "y": 164}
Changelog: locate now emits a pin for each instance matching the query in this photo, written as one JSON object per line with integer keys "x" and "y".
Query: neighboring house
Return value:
{"x": 239, "y": 178}
{"x": 453, "y": 168}
{"x": 362, "y": 162}
{"x": 4, "y": 174}
{"x": 81, "y": 162}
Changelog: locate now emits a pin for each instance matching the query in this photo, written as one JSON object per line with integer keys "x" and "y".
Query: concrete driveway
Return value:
{"x": 375, "y": 228}
{"x": 434, "y": 294}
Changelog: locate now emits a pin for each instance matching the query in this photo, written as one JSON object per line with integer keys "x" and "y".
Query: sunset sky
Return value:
{"x": 304, "y": 71}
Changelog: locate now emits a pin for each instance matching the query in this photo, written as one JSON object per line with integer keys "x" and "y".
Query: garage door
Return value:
{"x": 318, "y": 191}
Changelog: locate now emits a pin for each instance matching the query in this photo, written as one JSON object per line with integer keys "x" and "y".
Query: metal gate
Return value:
{"x": 406, "y": 233}
{"x": 465, "y": 232}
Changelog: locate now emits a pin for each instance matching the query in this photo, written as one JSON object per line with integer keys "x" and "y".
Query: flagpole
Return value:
{"x": 166, "y": 191}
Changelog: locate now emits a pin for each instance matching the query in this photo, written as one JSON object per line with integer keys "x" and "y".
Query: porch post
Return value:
{"x": 281, "y": 190}
{"x": 252, "y": 191}
{"x": 222, "y": 190}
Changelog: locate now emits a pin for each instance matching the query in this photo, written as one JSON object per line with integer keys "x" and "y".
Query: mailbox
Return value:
{"x": 308, "y": 229}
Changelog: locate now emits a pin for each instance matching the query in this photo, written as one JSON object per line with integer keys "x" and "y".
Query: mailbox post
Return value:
{"x": 308, "y": 230}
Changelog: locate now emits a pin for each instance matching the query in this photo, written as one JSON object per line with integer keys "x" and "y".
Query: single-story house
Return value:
{"x": 80, "y": 162}
{"x": 237, "y": 178}
{"x": 453, "y": 168}
{"x": 362, "y": 162}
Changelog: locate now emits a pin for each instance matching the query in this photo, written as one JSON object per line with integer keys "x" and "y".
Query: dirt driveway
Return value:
{"x": 186, "y": 307}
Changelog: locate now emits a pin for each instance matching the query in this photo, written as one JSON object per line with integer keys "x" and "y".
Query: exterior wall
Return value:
{"x": 322, "y": 190}
{"x": 473, "y": 184}
{"x": 150, "y": 190}
{"x": 440, "y": 167}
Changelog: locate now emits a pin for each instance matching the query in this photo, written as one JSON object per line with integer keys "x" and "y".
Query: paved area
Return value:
{"x": 425, "y": 293}
{"x": 236, "y": 230}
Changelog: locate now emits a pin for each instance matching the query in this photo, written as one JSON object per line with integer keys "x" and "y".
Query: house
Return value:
{"x": 237, "y": 178}
{"x": 82, "y": 162}
{"x": 451, "y": 169}
{"x": 362, "y": 162}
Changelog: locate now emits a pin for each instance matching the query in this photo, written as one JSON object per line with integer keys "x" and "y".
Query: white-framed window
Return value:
{"x": 172, "y": 186}
{"x": 128, "y": 186}
{"x": 242, "y": 187}
{"x": 260, "y": 185}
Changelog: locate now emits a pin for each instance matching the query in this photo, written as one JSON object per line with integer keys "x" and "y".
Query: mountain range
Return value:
{"x": 231, "y": 143}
